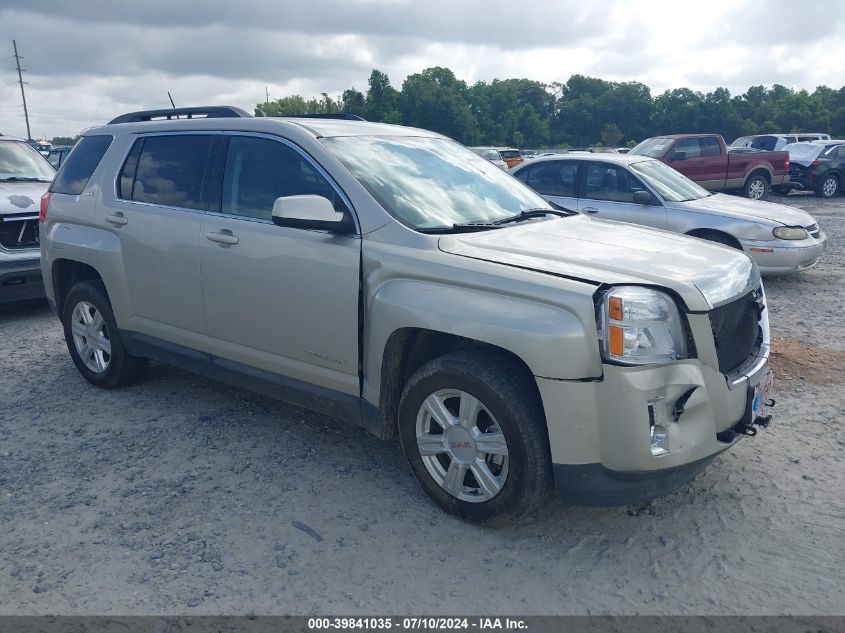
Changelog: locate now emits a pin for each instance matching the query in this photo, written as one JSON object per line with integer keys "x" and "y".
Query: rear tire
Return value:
{"x": 472, "y": 427}
{"x": 756, "y": 187}
{"x": 93, "y": 338}
{"x": 828, "y": 187}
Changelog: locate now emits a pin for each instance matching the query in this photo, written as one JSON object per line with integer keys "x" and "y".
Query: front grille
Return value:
{"x": 798, "y": 172}
{"x": 19, "y": 232}
{"x": 813, "y": 230}
{"x": 736, "y": 330}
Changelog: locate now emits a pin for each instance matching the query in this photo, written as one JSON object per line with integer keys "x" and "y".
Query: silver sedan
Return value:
{"x": 641, "y": 190}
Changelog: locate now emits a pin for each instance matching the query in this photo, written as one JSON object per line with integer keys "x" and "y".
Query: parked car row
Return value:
{"x": 497, "y": 334}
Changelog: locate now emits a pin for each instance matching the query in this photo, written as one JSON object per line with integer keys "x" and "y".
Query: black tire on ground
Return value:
{"x": 782, "y": 190}
{"x": 122, "y": 368}
{"x": 510, "y": 395}
{"x": 756, "y": 187}
{"x": 828, "y": 187}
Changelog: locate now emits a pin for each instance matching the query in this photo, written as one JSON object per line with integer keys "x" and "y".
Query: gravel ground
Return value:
{"x": 179, "y": 495}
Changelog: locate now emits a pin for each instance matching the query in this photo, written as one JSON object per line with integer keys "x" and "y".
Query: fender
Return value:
{"x": 553, "y": 342}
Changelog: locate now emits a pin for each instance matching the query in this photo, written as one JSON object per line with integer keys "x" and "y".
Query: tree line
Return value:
{"x": 583, "y": 111}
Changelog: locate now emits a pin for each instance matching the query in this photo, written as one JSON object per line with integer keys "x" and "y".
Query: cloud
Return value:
{"x": 88, "y": 61}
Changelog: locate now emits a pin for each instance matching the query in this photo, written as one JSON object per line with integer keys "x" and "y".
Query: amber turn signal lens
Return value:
{"x": 617, "y": 340}
{"x": 614, "y": 308}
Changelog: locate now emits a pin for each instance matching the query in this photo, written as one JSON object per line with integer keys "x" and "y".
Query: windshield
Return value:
{"x": 670, "y": 184}
{"x": 652, "y": 147}
{"x": 18, "y": 161}
{"x": 431, "y": 183}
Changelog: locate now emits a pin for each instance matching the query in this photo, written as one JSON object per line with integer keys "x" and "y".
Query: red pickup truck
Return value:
{"x": 705, "y": 159}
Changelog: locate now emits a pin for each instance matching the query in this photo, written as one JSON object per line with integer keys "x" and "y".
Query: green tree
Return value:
{"x": 611, "y": 135}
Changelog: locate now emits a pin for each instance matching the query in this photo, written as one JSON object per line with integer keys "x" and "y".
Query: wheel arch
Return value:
{"x": 409, "y": 348}
{"x": 66, "y": 273}
{"x": 708, "y": 233}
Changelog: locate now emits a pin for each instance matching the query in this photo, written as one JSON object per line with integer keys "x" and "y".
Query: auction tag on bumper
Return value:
{"x": 761, "y": 396}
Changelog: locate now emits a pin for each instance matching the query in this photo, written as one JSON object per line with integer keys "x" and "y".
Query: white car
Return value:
{"x": 491, "y": 154}
{"x": 642, "y": 190}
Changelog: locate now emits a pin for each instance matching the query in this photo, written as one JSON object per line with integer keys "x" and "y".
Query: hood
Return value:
{"x": 804, "y": 153}
{"x": 745, "y": 209}
{"x": 21, "y": 197}
{"x": 704, "y": 274}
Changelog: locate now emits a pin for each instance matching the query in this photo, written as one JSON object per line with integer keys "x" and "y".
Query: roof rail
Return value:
{"x": 346, "y": 116}
{"x": 204, "y": 112}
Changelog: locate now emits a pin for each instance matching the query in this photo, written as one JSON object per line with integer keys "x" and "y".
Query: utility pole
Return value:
{"x": 23, "y": 94}
{"x": 266, "y": 95}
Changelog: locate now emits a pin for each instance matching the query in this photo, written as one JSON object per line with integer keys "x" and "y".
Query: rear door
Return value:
{"x": 555, "y": 180}
{"x": 279, "y": 300}
{"x": 713, "y": 165}
{"x": 155, "y": 210}
{"x": 609, "y": 194}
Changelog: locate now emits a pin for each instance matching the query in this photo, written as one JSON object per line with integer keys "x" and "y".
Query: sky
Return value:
{"x": 87, "y": 61}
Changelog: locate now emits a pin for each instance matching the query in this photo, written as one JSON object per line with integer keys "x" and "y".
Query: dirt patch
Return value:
{"x": 796, "y": 360}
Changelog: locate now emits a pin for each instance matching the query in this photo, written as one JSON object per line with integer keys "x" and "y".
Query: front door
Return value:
{"x": 278, "y": 299}
{"x": 609, "y": 194}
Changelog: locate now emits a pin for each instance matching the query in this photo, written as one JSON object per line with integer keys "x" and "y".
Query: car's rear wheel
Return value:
{"x": 473, "y": 430}
{"x": 756, "y": 187}
{"x": 828, "y": 186}
{"x": 93, "y": 338}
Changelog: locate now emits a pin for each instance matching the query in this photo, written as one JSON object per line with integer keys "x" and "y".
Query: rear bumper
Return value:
{"x": 20, "y": 278}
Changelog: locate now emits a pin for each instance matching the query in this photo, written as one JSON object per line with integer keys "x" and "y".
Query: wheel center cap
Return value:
{"x": 461, "y": 445}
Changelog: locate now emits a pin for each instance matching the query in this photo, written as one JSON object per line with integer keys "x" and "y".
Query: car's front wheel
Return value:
{"x": 93, "y": 338}
{"x": 472, "y": 427}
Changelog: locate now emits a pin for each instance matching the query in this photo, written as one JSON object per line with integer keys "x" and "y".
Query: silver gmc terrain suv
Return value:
{"x": 390, "y": 277}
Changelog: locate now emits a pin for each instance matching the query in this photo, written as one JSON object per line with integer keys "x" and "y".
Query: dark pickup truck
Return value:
{"x": 706, "y": 159}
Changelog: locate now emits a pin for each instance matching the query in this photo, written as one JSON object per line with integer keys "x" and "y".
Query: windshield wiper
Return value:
{"x": 22, "y": 179}
{"x": 463, "y": 227}
{"x": 536, "y": 213}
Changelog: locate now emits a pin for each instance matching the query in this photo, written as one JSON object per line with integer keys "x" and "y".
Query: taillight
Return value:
{"x": 45, "y": 202}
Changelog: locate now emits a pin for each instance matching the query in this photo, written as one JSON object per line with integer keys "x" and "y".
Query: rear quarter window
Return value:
{"x": 80, "y": 165}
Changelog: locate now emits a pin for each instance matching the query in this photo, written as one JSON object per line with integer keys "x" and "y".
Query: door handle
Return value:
{"x": 590, "y": 210}
{"x": 224, "y": 239}
{"x": 702, "y": 162}
{"x": 117, "y": 219}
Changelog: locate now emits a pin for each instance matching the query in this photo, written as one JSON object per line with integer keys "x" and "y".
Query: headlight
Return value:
{"x": 639, "y": 326}
{"x": 790, "y": 233}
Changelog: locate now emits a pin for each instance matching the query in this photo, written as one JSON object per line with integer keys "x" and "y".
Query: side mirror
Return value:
{"x": 642, "y": 197}
{"x": 679, "y": 156}
{"x": 309, "y": 212}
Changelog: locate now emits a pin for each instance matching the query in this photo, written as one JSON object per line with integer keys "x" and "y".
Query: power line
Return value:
{"x": 23, "y": 94}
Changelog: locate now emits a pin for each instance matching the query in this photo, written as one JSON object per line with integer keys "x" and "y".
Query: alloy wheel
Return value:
{"x": 756, "y": 189}
{"x": 90, "y": 337}
{"x": 461, "y": 445}
{"x": 829, "y": 187}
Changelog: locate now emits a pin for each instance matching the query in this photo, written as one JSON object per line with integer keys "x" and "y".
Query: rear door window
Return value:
{"x": 169, "y": 170}
{"x": 710, "y": 146}
{"x": 80, "y": 165}
{"x": 552, "y": 178}
{"x": 690, "y": 146}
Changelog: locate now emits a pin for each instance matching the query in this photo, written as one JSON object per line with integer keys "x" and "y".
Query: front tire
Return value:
{"x": 828, "y": 187}
{"x": 473, "y": 430}
{"x": 756, "y": 187}
{"x": 93, "y": 338}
